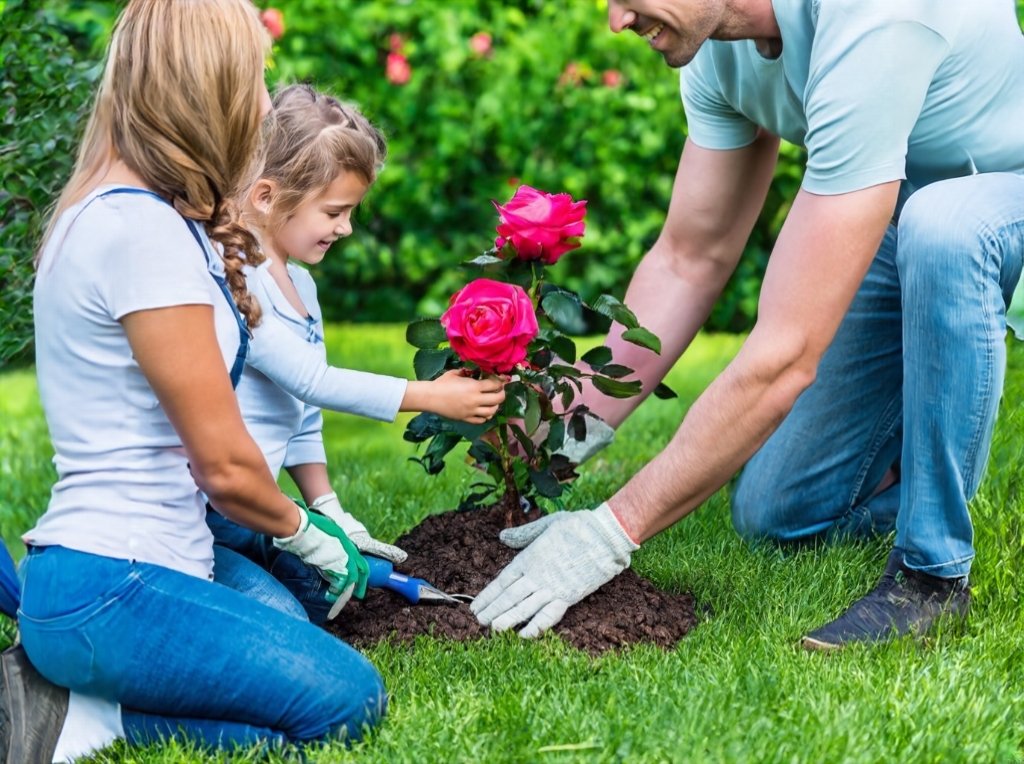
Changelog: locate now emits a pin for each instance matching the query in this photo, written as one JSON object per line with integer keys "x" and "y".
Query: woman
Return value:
{"x": 135, "y": 333}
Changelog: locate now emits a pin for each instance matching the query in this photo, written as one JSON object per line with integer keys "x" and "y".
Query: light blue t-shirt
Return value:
{"x": 287, "y": 379}
{"x": 877, "y": 90}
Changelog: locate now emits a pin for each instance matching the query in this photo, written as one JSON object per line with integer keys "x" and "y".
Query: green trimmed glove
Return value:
{"x": 319, "y": 542}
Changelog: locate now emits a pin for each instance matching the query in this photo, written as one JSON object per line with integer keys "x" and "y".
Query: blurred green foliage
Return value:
{"x": 557, "y": 102}
{"x": 49, "y": 71}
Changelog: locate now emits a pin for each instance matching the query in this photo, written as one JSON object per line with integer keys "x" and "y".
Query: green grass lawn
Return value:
{"x": 737, "y": 689}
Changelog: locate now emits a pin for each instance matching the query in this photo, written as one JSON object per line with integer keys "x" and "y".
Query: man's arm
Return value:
{"x": 819, "y": 261}
{"x": 716, "y": 199}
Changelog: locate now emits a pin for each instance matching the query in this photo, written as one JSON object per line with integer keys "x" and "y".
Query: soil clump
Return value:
{"x": 459, "y": 553}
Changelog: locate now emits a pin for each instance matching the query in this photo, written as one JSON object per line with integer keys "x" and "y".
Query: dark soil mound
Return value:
{"x": 459, "y": 552}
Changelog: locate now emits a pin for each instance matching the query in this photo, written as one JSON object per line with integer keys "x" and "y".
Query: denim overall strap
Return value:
{"x": 243, "y": 331}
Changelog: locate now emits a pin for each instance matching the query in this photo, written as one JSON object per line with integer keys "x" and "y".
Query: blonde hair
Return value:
{"x": 312, "y": 138}
{"x": 179, "y": 104}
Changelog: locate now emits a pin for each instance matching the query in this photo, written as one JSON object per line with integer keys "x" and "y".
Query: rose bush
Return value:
{"x": 540, "y": 226}
{"x": 490, "y": 324}
{"x": 520, "y": 326}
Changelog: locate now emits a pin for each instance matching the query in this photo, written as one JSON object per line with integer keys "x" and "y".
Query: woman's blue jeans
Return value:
{"x": 189, "y": 657}
{"x": 913, "y": 377}
{"x": 299, "y": 583}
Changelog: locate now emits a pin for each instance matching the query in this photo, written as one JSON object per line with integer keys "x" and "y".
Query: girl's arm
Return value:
{"x": 311, "y": 480}
{"x": 176, "y": 349}
{"x": 299, "y": 369}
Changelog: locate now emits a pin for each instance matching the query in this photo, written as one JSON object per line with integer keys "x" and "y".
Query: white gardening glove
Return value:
{"x": 599, "y": 435}
{"x": 329, "y": 505}
{"x": 319, "y": 542}
{"x": 568, "y": 555}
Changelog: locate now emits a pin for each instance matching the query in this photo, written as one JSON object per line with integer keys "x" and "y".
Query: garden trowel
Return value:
{"x": 384, "y": 576}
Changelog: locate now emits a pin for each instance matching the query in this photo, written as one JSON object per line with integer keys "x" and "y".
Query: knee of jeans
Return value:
{"x": 755, "y": 513}
{"x": 938, "y": 225}
{"x": 350, "y": 717}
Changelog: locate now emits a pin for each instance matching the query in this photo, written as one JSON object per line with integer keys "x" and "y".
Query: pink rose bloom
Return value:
{"x": 540, "y": 226}
{"x": 398, "y": 70}
{"x": 480, "y": 43}
{"x": 490, "y": 323}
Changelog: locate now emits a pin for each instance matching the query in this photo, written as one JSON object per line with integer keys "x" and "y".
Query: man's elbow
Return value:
{"x": 787, "y": 364}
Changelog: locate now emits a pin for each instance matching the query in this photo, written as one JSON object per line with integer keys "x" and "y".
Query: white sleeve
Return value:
{"x": 300, "y": 370}
{"x": 158, "y": 264}
{"x": 306, "y": 446}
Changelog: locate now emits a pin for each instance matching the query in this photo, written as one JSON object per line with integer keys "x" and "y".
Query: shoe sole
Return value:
{"x": 816, "y": 645}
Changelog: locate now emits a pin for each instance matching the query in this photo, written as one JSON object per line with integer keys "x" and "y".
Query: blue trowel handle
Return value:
{"x": 383, "y": 576}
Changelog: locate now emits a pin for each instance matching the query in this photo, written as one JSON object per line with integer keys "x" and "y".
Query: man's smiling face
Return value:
{"x": 674, "y": 28}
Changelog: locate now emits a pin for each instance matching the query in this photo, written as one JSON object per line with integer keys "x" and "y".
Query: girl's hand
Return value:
{"x": 455, "y": 396}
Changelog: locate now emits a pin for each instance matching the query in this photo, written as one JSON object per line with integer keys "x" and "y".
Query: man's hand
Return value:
{"x": 329, "y": 505}
{"x": 319, "y": 542}
{"x": 568, "y": 555}
{"x": 455, "y": 396}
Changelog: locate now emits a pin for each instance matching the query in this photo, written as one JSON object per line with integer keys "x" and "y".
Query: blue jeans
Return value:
{"x": 189, "y": 657}
{"x": 306, "y": 586}
{"x": 913, "y": 378}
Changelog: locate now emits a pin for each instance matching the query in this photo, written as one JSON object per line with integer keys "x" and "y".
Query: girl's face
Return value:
{"x": 320, "y": 220}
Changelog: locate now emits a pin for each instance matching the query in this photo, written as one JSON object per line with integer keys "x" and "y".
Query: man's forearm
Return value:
{"x": 722, "y": 430}
{"x": 673, "y": 298}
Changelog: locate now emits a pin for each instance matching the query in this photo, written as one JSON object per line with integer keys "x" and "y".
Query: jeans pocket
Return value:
{"x": 63, "y": 593}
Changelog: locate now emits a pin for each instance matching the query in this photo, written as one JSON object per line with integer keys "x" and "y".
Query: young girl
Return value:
{"x": 322, "y": 157}
{"x": 136, "y": 331}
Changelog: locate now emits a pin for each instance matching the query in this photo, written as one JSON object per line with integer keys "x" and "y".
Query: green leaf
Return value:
{"x": 564, "y": 309}
{"x": 524, "y": 440}
{"x": 423, "y": 426}
{"x": 556, "y": 434}
{"x": 561, "y": 370}
{"x": 546, "y": 483}
{"x": 429, "y": 363}
{"x": 425, "y": 333}
{"x": 608, "y": 306}
{"x": 597, "y": 357}
{"x": 616, "y": 370}
{"x": 664, "y": 392}
{"x": 644, "y": 338}
{"x": 564, "y": 348}
{"x": 531, "y": 417}
{"x": 615, "y": 388}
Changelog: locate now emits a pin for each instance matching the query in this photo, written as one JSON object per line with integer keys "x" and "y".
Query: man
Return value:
{"x": 898, "y": 257}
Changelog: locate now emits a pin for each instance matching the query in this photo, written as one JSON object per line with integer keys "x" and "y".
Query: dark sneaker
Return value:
{"x": 32, "y": 711}
{"x": 904, "y": 602}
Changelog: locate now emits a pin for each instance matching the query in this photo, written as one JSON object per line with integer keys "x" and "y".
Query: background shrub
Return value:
{"x": 557, "y": 102}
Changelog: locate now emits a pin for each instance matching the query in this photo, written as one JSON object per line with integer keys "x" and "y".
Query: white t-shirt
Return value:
{"x": 287, "y": 379}
{"x": 124, "y": 489}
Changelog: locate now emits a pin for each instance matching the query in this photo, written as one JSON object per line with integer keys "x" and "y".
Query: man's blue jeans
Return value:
{"x": 913, "y": 377}
{"x": 189, "y": 657}
{"x": 306, "y": 586}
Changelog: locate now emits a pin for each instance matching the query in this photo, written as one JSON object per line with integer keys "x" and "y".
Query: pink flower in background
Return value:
{"x": 395, "y": 42}
{"x": 611, "y": 78}
{"x": 490, "y": 323}
{"x": 397, "y": 69}
{"x": 540, "y": 226}
{"x": 573, "y": 74}
{"x": 480, "y": 43}
{"x": 273, "y": 20}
